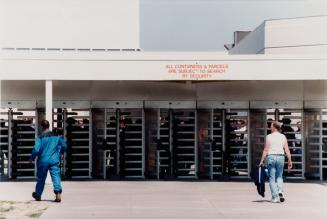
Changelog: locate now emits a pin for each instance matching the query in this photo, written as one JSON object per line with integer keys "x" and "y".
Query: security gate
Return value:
{"x": 292, "y": 128}
{"x": 19, "y": 121}
{"x": 290, "y": 115}
{"x": 79, "y": 143}
{"x": 110, "y": 141}
{"x": 316, "y": 141}
{"x": 211, "y": 140}
{"x": 159, "y": 140}
{"x": 172, "y": 139}
{"x": 4, "y": 143}
{"x": 237, "y": 143}
{"x": 164, "y": 146}
{"x": 75, "y": 120}
{"x": 18, "y": 130}
{"x": 121, "y": 139}
{"x": 223, "y": 139}
{"x": 131, "y": 143}
{"x": 184, "y": 143}
{"x": 260, "y": 126}
{"x": 24, "y": 132}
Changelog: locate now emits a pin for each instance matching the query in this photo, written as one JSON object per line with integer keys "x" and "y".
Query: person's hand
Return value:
{"x": 261, "y": 163}
{"x": 30, "y": 161}
{"x": 290, "y": 164}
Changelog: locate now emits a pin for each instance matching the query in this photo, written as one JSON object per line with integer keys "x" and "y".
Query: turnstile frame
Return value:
{"x": 320, "y": 108}
{"x": 119, "y": 105}
{"x": 6, "y": 113}
{"x": 176, "y": 106}
{"x": 285, "y": 105}
{"x": 225, "y": 105}
{"x": 211, "y": 136}
{"x": 76, "y": 106}
{"x": 19, "y": 106}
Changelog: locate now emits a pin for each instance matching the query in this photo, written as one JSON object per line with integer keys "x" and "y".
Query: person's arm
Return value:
{"x": 36, "y": 150}
{"x": 63, "y": 145}
{"x": 264, "y": 153}
{"x": 288, "y": 154}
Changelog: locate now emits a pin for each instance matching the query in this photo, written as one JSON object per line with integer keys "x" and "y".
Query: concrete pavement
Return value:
{"x": 191, "y": 200}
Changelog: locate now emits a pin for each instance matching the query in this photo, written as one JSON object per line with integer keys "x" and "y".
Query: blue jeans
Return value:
{"x": 275, "y": 170}
{"x": 42, "y": 170}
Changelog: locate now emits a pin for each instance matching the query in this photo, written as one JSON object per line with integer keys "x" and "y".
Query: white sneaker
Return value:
{"x": 274, "y": 200}
{"x": 281, "y": 196}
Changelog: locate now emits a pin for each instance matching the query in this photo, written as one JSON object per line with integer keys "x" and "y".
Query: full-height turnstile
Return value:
{"x": 158, "y": 127}
{"x": 105, "y": 146}
{"x": 19, "y": 132}
{"x": 290, "y": 115}
{"x": 224, "y": 139}
{"x": 237, "y": 143}
{"x": 4, "y": 143}
{"x": 172, "y": 139}
{"x": 316, "y": 139}
{"x": 72, "y": 119}
{"x": 24, "y": 132}
{"x": 260, "y": 126}
{"x": 211, "y": 140}
{"x": 120, "y": 139}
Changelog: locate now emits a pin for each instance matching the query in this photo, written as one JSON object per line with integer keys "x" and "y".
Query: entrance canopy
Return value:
{"x": 157, "y": 66}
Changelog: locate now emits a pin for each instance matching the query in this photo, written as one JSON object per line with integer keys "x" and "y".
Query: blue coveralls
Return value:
{"x": 48, "y": 148}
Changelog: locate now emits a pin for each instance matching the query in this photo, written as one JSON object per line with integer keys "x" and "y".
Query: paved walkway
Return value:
{"x": 191, "y": 200}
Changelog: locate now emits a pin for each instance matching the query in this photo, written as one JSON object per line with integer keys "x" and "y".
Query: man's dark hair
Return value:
{"x": 45, "y": 124}
{"x": 276, "y": 125}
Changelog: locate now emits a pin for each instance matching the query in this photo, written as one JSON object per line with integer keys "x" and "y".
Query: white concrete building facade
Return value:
{"x": 128, "y": 113}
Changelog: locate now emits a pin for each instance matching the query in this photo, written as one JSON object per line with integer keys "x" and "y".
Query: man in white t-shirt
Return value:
{"x": 275, "y": 148}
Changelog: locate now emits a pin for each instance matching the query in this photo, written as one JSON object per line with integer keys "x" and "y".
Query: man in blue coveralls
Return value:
{"x": 48, "y": 148}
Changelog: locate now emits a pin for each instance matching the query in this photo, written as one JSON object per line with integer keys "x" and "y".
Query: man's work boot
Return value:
{"x": 58, "y": 197}
{"x": 37, "y": 198}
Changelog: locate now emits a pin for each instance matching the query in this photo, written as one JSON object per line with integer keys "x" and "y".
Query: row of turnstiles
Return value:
{"x": 164, "y": 139}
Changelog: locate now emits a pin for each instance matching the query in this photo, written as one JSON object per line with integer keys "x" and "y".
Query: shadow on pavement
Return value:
{"x": 322, "y": 183}
{"x": 261, "y": 201}
{"x": 44, "y": 200}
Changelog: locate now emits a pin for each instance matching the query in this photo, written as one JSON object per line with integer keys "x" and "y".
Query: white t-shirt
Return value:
{"x": 276, "y": 142}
